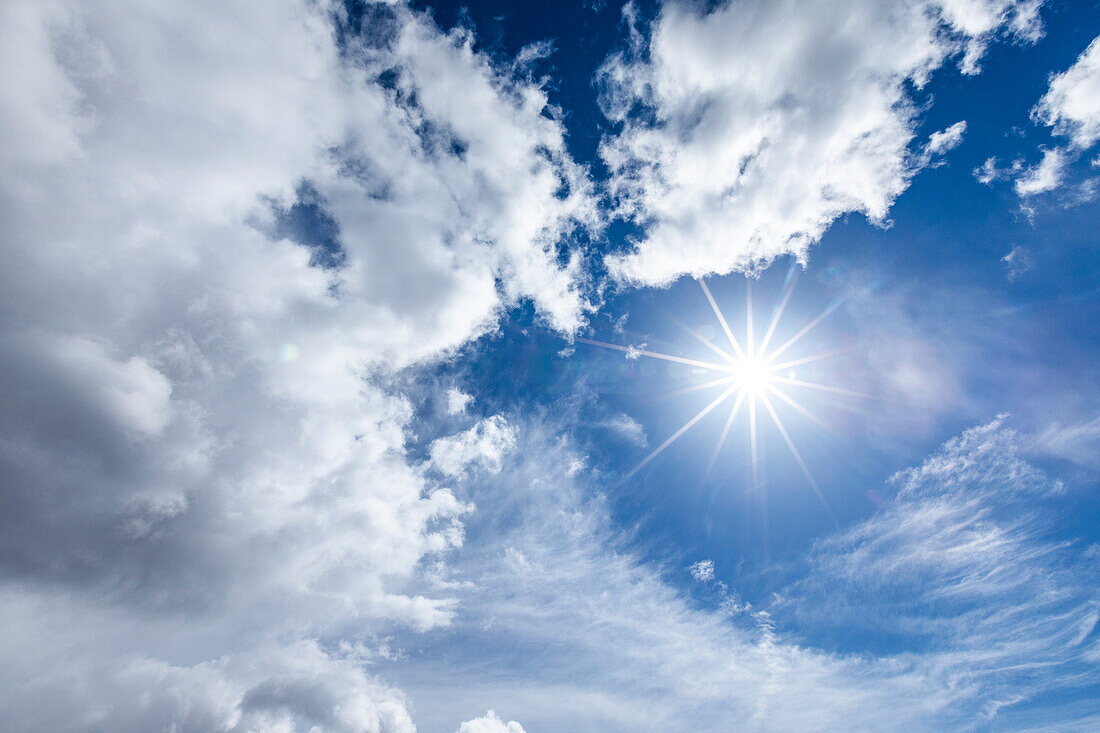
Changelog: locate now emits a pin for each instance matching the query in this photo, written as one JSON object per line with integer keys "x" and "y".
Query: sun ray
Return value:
{"x": 815, "y": 385}
{"x": 752, "y": 443}
{"x": 725, "y": 431}
{"x": 802, "y": 410}
{"x": 806, "y": 359}
{"x": 656, "y": 355}
{"x": 705, "y": 341}
{"x": 805, "y": 329}
{"x": 703, "y": 385}
{"x": 796, "y": 454}
{"x": 722, "y": 320}
{"x": 683, "y": 429}
{"x": 777, "y": 315}
{"x": 749, "y": 348}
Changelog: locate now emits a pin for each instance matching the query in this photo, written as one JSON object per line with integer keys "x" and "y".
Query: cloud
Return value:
{"x": 1077, "y": 442}
{"x": 40, "y": 115}
{"x": 87, "y": 685}
{"x": 225, "y": 232}
{"x": 702, "y": 571}
{"x": 962, "y": 568}
{"x": 490, "y": 723}
{"x": 1045, "y": 176}
{"x": 625, "y": 426}
{"x": 226, "y": 229}
{"x": 1072, "y": 103}
{"x": 1017, "y": 262}
{"x": 591, "y": 636}
{"x": 484, "y": 444}
{"x": 989, "y": 172}
{"x": 457, "y": 400}
{"x": 1071, "y": 107}
{"x": 746, "y": 130}
{"x": 942, "y": 141}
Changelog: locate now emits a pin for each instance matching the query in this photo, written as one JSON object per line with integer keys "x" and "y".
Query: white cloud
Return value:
{"x": 944, "y": 140}
{"x": 963, "y": 566}
{"x": 765, "y": 121}
{"x": 490, "y": 723}
{"x": 77, "y": 377}
{"x": 989, "y": 172}
{"x": 484, "y": 444}
{"x": 1071, "y": 106}
{"x": 1072, "y": 103}
{"x": 940, "y": 143}
{"x": 195, "y": 424}
{"x": 702, "y": 571}
{"x": 1078, "y": 442}
{"x": 457, "y": 400}
{"x": 626, "y": 427}
{"x": 1045, "y": 176}
{"x": 621, "y": 649}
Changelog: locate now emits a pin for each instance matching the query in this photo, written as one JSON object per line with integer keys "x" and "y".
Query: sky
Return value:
{"x": 490, "y": 367}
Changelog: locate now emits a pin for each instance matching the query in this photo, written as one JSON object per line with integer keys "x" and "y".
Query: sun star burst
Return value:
{"x": 748, "y": 377}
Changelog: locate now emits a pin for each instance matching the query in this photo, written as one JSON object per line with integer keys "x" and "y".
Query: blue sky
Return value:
{"x": 342, "y": 345}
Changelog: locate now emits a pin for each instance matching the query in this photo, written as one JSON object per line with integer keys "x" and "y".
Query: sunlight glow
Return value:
{"x": 748, "y": 374}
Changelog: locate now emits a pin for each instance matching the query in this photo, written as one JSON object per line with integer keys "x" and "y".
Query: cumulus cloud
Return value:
{"x": 1072, "y": 103}
{"x": 490, "y": 723}
{"x": 1044, "y": 176}
{"x": 944, "y": 140}
{"x": 457, "y": 400}
{"x": 225, "y": 228}
{"x": 1071, "y": 108}
{"x": 298, "y": 686}
{"x": 747, "y": 129}
{"x": 484, "y": 444}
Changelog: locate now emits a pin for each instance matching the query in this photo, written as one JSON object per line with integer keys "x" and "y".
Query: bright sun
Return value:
{"x": 750, "y": 375}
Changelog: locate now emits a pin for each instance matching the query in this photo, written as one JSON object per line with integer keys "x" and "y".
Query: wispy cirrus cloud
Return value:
{"x": 964, "y": 571}
{"x": 1077, "y": 442}
{"x": 960, "y": 605}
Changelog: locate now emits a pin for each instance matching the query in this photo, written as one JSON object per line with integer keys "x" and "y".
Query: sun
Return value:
{"x": 753, "y": 374}
{"x": 748, "y": 376}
